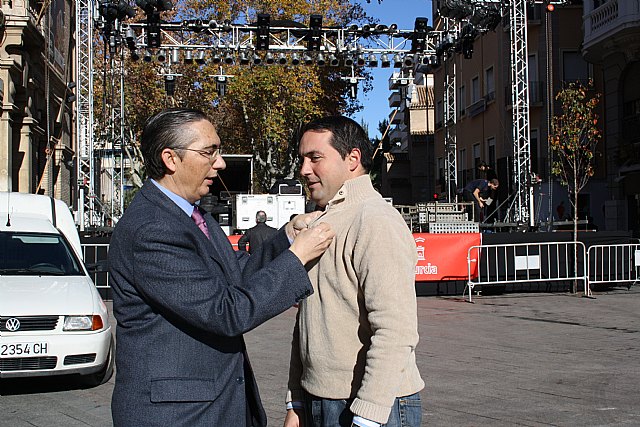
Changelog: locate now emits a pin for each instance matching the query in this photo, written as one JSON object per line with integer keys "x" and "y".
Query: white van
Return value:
{"x": 52, "y": 318}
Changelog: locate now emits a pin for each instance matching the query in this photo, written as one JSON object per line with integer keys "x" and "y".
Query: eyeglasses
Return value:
{"x": 212, "y": 155}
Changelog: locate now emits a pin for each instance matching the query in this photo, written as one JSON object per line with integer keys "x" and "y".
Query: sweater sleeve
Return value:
{"x": 294, "y": 390}
{"x": 385, "y": 258}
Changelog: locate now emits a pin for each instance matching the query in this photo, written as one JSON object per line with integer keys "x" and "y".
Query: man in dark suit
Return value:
{"x": 257, "y": 234}
{"x": 183, "y": 298}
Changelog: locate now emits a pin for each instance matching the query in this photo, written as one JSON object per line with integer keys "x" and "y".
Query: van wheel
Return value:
{"x": 104, "y": 374}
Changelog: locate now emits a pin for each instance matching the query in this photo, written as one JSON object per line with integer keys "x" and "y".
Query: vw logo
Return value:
{"x": 12, "y": 324}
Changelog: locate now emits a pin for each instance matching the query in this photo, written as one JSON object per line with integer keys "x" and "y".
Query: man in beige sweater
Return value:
{"x": 353, "y": 349}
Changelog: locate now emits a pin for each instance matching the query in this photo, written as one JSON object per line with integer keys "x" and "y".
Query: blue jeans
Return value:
{"x": 405, "y": 412}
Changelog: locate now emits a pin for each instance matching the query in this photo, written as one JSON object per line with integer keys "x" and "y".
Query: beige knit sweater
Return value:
{"x": 355, "y": 337}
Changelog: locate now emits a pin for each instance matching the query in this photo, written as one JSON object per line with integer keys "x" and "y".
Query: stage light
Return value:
{"x": 221, "y": 85}
{"x": 408, "y": 61}
{"x": 188, "y": 56}
{"x": 262, "y": 36}
{"x": 353, "y": 87}
{"x": 130, "y": 38}
{"x": 175, "y": 56}
{"x": 295, "y": 60}
{"x": 434, "y": 60}
{"x": 244, "y": 59}
{"x": 256, "y": 59}
{"x": 216, "y": 59}
{"x": 393, "y": 28}
{"x": 348, "y": 61}
{"x": 147, "y": 56}
{"x": 170, "y": 85}
{"x": 314, "y": 35}
{"x": 424, "y": 60}
{"x": 320, "y": 60}
{"x": 228, "y": 59}
{"x": 153, "y": 30}
{"x": 135, "y": 56}
{"x": 366, "y": 30}
{"x": 269, "y": 58}
{"x": 381, "y": 28}
{"x": 213, "y": 24}
{"x": 419, "y": 36}
{"x": 549, "y": 7}
{"x": 200, "y": 57}
{"x": 282, "y": 59}
{"x": 456, "y": 9}
{"x": 384, "y": 61}
{"x": 360, "y": 61}
{"x": 333, "y": 61}
{"x": 161, "y": 56}
{"x": 397, "y": 61}
{"x": 307, "y": 60}
{"x": 353, "y": 28}
{"x": 373, "y": 61}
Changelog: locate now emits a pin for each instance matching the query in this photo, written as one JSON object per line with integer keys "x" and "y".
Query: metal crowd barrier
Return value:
{"x": 526, "y": 262}
{"x": 95, "y": 259}
{"x": 614, "y": 264}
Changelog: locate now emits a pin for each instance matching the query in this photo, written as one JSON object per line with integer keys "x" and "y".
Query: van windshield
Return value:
{"x": 36, "y": 254}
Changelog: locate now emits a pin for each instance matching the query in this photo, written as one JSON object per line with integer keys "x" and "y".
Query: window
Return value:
{"x": 490, "y": 84}
{"x": 462, "y": 162}
{"x": 462, "y": 100}
{"x": 476, "y": 160}
{"x": 574, "y": 67}
{"x": 491, "y": 143}
{"x": 475, "y": 90}
{"x": 441, "y": 179}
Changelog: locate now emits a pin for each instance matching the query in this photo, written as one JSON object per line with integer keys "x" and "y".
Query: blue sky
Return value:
{"x": 403, "y": 13}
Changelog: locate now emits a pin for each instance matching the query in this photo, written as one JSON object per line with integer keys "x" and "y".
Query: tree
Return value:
{"x": 574, "y": 137}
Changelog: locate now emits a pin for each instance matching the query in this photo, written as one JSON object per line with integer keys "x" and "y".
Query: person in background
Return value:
{"x": 353, "y": 349}
{"x": 487, "y": 171}
{"x": 182, "y": 297}
{"x": 477, "y": 191}
{"x": 257, "y": 234}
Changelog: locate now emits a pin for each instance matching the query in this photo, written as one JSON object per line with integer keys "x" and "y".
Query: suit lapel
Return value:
{"x": 157, "y": 197}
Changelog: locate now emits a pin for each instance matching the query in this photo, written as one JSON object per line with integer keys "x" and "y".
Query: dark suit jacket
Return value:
{"x": 182, "y": 303}
{"x": 255, "y": 236}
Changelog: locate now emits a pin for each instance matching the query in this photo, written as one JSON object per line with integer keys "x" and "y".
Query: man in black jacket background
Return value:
{"x": 257, "y": 234}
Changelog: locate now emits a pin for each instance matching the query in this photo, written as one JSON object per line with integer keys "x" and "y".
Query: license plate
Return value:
{"x": 24, "y": 349}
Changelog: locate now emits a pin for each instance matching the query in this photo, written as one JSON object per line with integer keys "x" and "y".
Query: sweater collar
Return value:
{"x": 353, "y": 191}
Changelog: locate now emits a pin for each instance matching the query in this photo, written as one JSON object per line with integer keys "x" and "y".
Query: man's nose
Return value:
{"x": 219, "y": 163}
{"x": 305, "y": 169}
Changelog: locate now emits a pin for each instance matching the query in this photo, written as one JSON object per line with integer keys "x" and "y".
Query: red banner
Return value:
{"x": 440, "y": 256}
{"x": 444, "y": 256}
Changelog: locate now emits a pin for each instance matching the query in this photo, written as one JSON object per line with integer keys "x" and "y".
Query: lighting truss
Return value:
{"x": 238, "y": 39}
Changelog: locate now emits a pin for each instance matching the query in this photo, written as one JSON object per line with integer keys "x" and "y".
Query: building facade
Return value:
{"x": 612, "y": 44}
{"x": 36, "y": 94}
{"x": 407, "y": 168}
{"x": 483, "y": 110}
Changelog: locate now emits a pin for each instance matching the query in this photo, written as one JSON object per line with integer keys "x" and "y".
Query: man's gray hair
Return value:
{"x": 261, "y": 216}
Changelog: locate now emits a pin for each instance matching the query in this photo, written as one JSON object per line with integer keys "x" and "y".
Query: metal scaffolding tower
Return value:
{"x": 87, "y": 215}
{"x": 523, "y": 212}
{"x": 522, "y": 209}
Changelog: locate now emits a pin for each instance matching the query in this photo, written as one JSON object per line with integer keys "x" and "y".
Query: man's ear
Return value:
{"x": 169, "y": 158}
{"x": 354, "y": 158}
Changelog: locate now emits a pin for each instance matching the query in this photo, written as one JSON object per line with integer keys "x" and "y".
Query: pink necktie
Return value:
{"x": 200, "y": 222}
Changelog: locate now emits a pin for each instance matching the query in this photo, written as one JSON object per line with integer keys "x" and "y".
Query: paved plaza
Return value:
{"x": 507, "y": 360}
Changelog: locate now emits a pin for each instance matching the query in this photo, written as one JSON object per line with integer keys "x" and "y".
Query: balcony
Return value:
{"x": 398, "y": 118}
{"x": 476, "y": 108}
{"x": 615, "y": 24}
{"x": 394, "y": 99}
